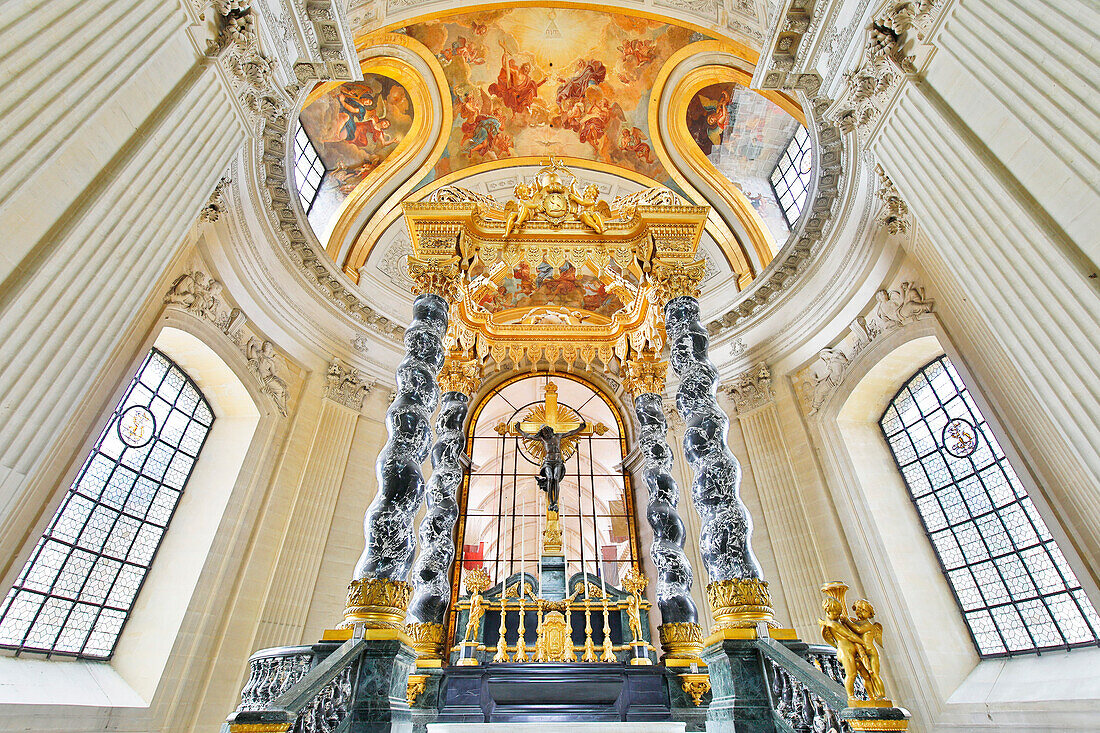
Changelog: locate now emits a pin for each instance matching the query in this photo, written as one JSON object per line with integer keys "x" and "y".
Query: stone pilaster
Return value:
{"x": 800, "y": 566}
{"x": 681, "y": 635}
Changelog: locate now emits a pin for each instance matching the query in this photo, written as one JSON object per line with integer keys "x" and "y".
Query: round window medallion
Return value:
{"x": 136, "y": 426}
{"x": 960, "y": 439}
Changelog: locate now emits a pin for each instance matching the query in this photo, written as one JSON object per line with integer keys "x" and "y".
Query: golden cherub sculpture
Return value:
{"x": 855, "y": 639}
{"x": 477, "y": 582}
{"x": 634, "y": 582}
{"x": 552, "y": 199}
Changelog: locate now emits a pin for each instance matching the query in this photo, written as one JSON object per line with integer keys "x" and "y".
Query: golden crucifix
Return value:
{"x": 549, "y": 432}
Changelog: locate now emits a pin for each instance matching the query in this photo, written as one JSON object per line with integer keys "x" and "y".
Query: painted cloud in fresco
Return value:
{"x": 743, "y": 134}
{"x": 542, "y": 81}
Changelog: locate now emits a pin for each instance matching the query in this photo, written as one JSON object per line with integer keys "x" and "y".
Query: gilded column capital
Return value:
{"x": 676, "y": 279}
{"x": 645, "y": 375}
{"x": 751, "y": 389}
{"x": 434, "y": 276}
{"x": 458, "y": 375}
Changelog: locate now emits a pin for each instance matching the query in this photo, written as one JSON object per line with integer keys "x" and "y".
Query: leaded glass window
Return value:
{"x": 1016, "y": 591}
{"x": 75, "y": 592}
{"x": 308, "y": 169}
{"x": 503, "y": 511}
{"x": 790, "y": 178}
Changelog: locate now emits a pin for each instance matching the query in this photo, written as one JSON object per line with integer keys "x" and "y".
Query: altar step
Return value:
{"x": 629, "y": 727}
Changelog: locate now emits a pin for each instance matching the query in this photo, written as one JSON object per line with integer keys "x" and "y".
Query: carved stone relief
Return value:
{"x": 892, "y": 309}
{"x": 751, "y": 389}
{"x": 347, "y": 385}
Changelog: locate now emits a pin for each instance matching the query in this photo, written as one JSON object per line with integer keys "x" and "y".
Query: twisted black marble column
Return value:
{"x": 431, "y": 585}
{"x": 388, "y": 525}
{"x": 674, "y": 576}
{"x": 726, "y": 525}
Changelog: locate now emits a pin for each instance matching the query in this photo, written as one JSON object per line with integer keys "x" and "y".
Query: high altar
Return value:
{"x": 434, "y": 641}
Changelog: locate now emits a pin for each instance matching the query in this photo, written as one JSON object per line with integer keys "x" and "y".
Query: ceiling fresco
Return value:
{"x": 743, "y": 134}
{"x": 541, "y": 81}
{"x": 354, "y": 127}
{"x": 528, "y": 288}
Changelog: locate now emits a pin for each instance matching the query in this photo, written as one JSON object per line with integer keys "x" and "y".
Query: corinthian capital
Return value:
{"x": 675, "y": 279}
{"x": 435, "y": 276}
{"x": 751, "y": 388}
{"x": 459, "y": 376}
{"x": 645, "y": 374}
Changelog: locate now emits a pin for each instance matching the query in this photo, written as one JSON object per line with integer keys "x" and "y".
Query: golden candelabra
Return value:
{"x": 589, "y": 647}
{"x": 502, "y": 630}
{"x": 608, "y": 647}
{"x": 521, "y": 642}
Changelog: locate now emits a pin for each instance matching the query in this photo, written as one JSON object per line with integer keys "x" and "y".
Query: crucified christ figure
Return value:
{"x": 552, "y": 470}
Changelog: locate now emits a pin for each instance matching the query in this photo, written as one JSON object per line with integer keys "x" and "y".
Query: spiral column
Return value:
{"x": 430, "y": 574}
{"x": 737, "y": 593}
{"x": 681, "y": 635}
{"x": 378, "y": 596}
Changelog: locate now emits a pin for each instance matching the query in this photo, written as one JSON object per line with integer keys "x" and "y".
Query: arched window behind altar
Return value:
{"x": 1016, "y": 591}
{"x": 76, "y": 591}
{"x": 503, "y": 512}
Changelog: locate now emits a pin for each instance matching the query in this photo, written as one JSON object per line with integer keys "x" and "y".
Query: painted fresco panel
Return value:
{"x": 542, "y": 81}
{"x": 743, "y": 134}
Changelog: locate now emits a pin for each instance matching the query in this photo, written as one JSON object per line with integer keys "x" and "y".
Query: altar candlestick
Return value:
{"x": 502, "y": 630}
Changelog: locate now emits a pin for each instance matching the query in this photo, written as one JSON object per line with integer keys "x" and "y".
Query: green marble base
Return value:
{"x": 739, "y": 689}
{"x": 380, "y": 696}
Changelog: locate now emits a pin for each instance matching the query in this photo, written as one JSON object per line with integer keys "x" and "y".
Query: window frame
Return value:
{"x": 1071, "y": 586}
{"x": 111, "y": 425}
{"x": 791, "y": 162}
{"x": 312, "y": 164}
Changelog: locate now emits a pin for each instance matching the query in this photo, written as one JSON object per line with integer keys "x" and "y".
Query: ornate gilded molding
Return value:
{"x": 347, "y": 385}
{"x": 435, "y": 276}
{"x": 415, "y": 687}
{"x": 460, "y": 375}
{"x": 751, "y": 389}
{"x": 377, "y": 603}
{"x": 892, "y": 310}
{"x": 427, "y": 639}
{"x": 681, "y": 640}
{"x": 740, "y": 603}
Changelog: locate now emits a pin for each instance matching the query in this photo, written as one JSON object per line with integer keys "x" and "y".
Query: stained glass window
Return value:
{"x": 790, "y": 178}
{"x": 308, "y": 169}
{"x": 503, "y": 510}
{"x": 1016, "y": 591}
{"x": 75, "y": 592}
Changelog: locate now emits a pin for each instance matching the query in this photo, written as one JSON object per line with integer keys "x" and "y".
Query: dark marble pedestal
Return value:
{"x": 381, "y": 688}
{"x": 739, "y": 686}
{"x": 512, "y": 693}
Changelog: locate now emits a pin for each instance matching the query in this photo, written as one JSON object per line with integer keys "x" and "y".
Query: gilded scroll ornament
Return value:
{"x": 696, "y": 686}
{"x": 855, "y": 639}
{"x": 415, "y": 687}
{"x": 377, "y": 603}
{"x": 740, "y": 603}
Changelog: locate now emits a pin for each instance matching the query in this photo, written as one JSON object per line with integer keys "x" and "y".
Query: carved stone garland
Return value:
{"x": 430, "y": 573}
{"x": 681, "y": 635}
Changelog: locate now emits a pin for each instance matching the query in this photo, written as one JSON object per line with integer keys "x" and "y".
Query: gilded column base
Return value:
{"x": 377, "y": 603}
{"x": 427, "y": 639}
{"x": 551, "y": 536}
{"x": 874, "y": 715}
{"x": 740, "y": 603}
{"x": 682, "y": 642}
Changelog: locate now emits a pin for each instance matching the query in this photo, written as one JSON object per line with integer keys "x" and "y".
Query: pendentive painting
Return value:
{"x": 354, "y": 127}
{"x": 743, "y": 134}
{"x": 542, "y": 81}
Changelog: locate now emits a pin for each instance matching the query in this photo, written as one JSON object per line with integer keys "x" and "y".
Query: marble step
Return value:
{"x": 628, "y": 727}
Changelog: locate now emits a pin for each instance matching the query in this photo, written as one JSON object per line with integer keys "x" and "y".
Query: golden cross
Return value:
{"x": 561, "y": 419}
